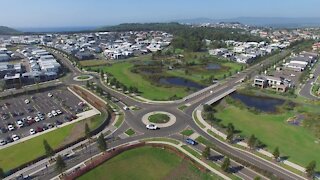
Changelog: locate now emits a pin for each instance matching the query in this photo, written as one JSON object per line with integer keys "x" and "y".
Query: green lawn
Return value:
{"x": 18, "y": 154}
{"x": 159, "y": 118}
{"x": 296, "y": 142}
{"x": 187, "y": 132}
{"x": 121, "y": 71}
{"x": 146, "y": 163}
{"x": 83, "y": 77}
{"x": 130, "y": 132}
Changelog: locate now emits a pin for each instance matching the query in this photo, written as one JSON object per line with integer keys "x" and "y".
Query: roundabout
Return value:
{"x": 160, "y": 118}
{"x": 83, "y": 78}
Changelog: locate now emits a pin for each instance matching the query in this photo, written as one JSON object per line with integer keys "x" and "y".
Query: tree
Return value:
{"x": 124, "y": 88}
{"x": 276, "y": 153}
{"x": 230, "y": 132}
{"x": 310, "y": 169}
{"x": 87, "y": 131}
{"x": 2, "y": 174}
{"x": 207, "y": 108}
{"x": 48, "y": 149}
{"x": 257, "y": 178}
{"x": 225, "y": 165}
{"x": 60, "y": 164}
{"x": 102, "y": 145}
{"x": 206, "y": 152}
{"x": 252, "y": 141}
{"x": 101, "y": 74}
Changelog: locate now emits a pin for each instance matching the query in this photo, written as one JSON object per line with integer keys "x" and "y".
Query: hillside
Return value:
{"x": 8, "y": 31}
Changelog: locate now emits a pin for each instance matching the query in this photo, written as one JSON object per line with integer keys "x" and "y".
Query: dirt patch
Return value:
{"x": 182, "y": 172}
{"x": 76, "y": 132}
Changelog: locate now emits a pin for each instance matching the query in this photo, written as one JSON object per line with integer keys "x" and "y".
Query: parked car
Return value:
{"x": 151, "y": 127}
{"x": 191, "y": 141}
{"x": 15, "y": 137}
{"x": 58, "y": 122}
{"x": 3, "y": 130}
{"x": 10, "y": 127}
{"x": 9, "y": 139}
{"x": 39, "y": 129}
{"x": 126, "y": 108}
{"x": 26, "y": 101}
{"x": 29, "y": 118}
{"x": 58, "y": 111}
{"x": 19, "y": 123}
{"x": 3, "y": 142}
{"x": 32, "y": 131}
{"x": 50, "y": 95}
{"x": 37, "y": 119}
{"x": 54, "y": 113}
{"x": 49, "y": 115}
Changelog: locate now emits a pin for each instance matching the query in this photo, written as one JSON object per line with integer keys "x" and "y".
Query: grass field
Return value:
{"x": 272, "y": 129}
{"x": 159, "y": 118}
{"x": 187, "y": 132}
{"x": 121, "y": 71}
{"x": 146, "y": 163}
{"x": 89, "y": 63}
{"x": 18, "y": 154}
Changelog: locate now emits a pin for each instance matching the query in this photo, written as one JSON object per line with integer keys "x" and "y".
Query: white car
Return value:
{"x": 10, "y": 127}
{"x": 58, "y": 111}
{"x": 54, "y": 113}
{"x": 29, "y": 118}
{"x": 49, "y": 115}
{"x": 151, "y": 127}
{"x": 3, "y": 142}
{"x": 19, "y": 123}
{"x": 37, "y": 119}
{"x": 27, "y": 101}
{"x": 32, "y": 131}
{"x": 50, "y": 95}
{"x": 15, "y": 137}
{"x": 125, "y": 108}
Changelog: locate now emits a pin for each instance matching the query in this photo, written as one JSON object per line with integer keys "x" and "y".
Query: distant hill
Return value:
{"x": 8, "y": 31}
{"x": 282, "y": 22}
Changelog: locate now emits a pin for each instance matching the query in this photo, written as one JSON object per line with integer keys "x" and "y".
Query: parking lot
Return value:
{"x": 26, "y": 115}
{"x": 288, "y": 74}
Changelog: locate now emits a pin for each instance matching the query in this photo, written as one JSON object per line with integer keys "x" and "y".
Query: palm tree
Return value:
{"x": 225, "y": 165}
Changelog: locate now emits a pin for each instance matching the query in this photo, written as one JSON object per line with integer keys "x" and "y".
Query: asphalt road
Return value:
{"x": 306, "y": 89}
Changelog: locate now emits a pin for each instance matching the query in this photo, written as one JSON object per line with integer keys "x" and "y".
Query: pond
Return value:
{"x": 177, "y": 81}
{"x": 213, "y": 66}
{"x": 265, "y": 104}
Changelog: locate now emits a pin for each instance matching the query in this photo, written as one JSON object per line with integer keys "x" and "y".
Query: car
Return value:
{"x": 10, "y": 127}
{"x": 30, "y": 110}
{"x": 32, "y": 131}
{"x": 29, "y": 118}
{"x": 3, "y": 130}
{"x": 49, "y": 126}
{"x": 58, "y": 111}
{"x": 50, "y": 95}
{"x": 211, "y": 92}
{"x": 41, "y": 118}
{"x": 58, "y": 122}
{"x": 39, "y": 129}
{"x": 151, "y": 127}
{"x": 15, "y": 137}
{"x": 39, "y": 114}
{"x": 26, "y": 101}
{"x": 19, "y": 123}
{"x": 49, "y": 115}
{"x": 54, "y": 113}
{"x": 9, "y": 139}
{"x": 37, "y": 119}
{"x": 191, "y": 141}
{"x": 125, "y": 108}
{"x": 3, "y": 142}
{"x": 30, "y": 122}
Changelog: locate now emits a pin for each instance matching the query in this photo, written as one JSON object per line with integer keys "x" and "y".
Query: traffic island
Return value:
{"x": 159, "y": 118}
{"x": 83, "y": 78}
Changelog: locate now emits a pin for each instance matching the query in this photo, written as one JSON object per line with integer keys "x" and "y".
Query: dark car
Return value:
{"x": 3, "y": 130}
{"x": 191, "y": 141}
{"x": 58, "y": 122}
{"x": 39, "y": 129}
{"x": 9, "y": 139}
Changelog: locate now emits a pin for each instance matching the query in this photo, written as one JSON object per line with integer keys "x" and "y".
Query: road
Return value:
{"x": 307, "y": 87}
{"x": 183, "y": 119}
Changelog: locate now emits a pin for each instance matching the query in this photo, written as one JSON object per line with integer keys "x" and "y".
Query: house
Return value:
{"x": 84, "y": 55}
{"x": 276, "y": 83}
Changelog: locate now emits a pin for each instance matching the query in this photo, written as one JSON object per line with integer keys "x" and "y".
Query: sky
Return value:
{"x": 73, "y": 13}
